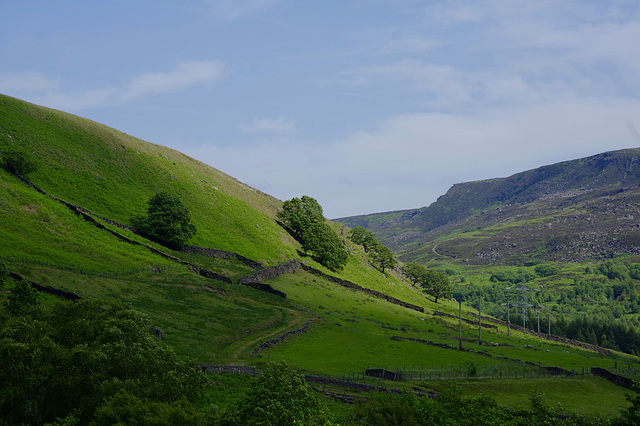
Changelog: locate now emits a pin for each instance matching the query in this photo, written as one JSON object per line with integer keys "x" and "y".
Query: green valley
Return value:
{"x": 68, "y": 225}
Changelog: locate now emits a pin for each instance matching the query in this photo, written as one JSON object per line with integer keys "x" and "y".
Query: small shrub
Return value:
{"x": 472, "y": 368}
{"x": 18, "y": 161}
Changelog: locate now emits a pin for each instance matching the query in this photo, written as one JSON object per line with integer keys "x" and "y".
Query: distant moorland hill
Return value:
{"x": 570, "y": 211}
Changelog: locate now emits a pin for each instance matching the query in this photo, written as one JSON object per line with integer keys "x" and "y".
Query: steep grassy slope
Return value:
{"x": 113, "y": 175}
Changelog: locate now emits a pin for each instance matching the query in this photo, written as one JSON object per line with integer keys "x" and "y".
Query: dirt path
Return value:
{"x": 298, "y": 320}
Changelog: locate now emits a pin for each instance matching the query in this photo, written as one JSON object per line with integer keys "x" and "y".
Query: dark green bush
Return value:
{"x": 18, "y": 161}
{"x": 168, "y": 220}
{"x": 546, "y": 270}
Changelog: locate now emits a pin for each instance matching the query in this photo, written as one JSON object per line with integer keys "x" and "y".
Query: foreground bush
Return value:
{"x": 68, "y": 362}
{"x": 280, "y": 396}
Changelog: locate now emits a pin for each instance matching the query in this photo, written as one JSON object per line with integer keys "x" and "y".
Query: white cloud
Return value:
{"x": 79, "y": 101}
{"x": 492, "y": 51}
{"x": 186, "y": 75}
{"x": 27, "y": 81}
{"x": 409, "y": 160}
{"x": 280, "y": 124}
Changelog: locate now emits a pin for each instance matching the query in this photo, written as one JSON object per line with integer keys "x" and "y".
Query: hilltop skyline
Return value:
{"x": 366, "y": 106}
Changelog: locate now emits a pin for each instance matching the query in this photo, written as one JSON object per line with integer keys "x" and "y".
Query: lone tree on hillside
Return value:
{"x": 298, "y": 214}
{"x": 304, "y": 218}
{"x": 382, "y": 257}
{"x": 168, "y": 220}
{"x": 364, "y": 237}
{"x": 325, "y": 245}
{"x": 432, "y": 282}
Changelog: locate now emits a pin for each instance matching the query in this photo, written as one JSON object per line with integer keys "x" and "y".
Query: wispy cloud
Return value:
{"x": 186, "y": 75}
{"x": 231, "y": 10}
{"x": 279, "y": 125}
{"x": 27, "y": 81}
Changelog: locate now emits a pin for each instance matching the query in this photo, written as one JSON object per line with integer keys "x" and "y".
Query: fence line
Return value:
{"x": 494, "y": 371}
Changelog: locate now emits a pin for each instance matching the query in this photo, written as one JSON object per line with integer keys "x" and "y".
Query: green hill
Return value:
{"x": 335, "y": 324}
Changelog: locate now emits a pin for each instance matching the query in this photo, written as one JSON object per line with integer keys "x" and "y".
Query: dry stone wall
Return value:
{"x": 220, "y": 369}
{"x": 349, "y": 385}
{"x": 281, "y": 338}
{"x": 614, "y": 378}
{"x": 47, "y": 289}
{"x": 221, "y": 254}
{"x": 353, "y": 286}
{"x": 271, "y": 272}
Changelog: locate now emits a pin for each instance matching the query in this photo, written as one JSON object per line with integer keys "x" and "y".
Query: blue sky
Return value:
{"x": 365, "y": 105}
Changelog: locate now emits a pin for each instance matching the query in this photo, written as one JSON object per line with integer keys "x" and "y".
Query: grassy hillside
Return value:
{"x": 113, "y": 175}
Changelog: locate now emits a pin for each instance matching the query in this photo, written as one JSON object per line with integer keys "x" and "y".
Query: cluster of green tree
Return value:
{"x": 78, "y": 363}
{"x": 167, "y": 221}
{"x": 616, "y": 270}
{"x": 513, "y": 277}
{"x": 380, "y": 255}
{"x": 432, "y": 282}
{"x": 608, "y": 293}
{"x": 525, "y": 275}
{"x": 304, "y": 219}
{"x": 606, "y": 333}
{"x": 81, "y": 362}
